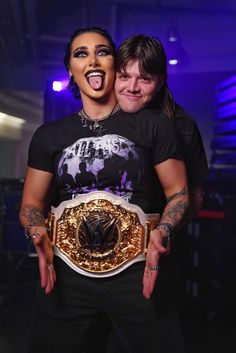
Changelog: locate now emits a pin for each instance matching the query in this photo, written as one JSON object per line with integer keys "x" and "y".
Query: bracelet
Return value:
{"x": 168, "y": 227}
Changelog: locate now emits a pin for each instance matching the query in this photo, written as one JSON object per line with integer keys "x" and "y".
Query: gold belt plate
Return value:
{"x": 98, "y": 236}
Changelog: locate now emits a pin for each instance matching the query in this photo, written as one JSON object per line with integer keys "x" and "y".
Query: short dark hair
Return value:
{"x": 147, "y": 50}
{"x": 151, "y": 57}
{"x": 72, "y": 84}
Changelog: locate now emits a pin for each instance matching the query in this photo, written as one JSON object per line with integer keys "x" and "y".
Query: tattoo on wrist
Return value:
{"x": 176, "y": 207}
{"x": 175, "y": 212}
{"x": 33, "y": 215}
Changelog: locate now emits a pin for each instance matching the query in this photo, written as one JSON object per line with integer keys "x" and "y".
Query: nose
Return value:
{"x": 94, "y": 60}
{"x": 133, "y": 85}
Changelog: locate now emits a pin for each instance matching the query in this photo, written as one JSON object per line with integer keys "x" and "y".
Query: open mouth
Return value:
{"x": 95, "y": 78}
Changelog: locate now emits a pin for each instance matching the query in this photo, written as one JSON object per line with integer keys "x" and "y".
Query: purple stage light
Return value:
{"x": 57, "y": 86}
{"x": 173, "y": 61}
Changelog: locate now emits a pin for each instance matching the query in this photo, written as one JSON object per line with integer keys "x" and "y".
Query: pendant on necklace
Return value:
{"x": 95, "y": 125}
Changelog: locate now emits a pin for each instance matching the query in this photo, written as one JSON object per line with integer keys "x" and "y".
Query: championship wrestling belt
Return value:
{"x": 99, "y": 234}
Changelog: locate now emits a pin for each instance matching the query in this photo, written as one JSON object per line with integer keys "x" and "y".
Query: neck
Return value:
{"x": 98, "y": 108}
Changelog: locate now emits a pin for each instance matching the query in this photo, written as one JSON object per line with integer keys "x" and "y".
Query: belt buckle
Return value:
{"x": 99, "y": 232}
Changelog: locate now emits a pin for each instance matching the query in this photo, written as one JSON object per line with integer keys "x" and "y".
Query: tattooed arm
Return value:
{"x": 172, "y": 176}
{"x": 195, "y": 204}
{"x": 34, "y": 202}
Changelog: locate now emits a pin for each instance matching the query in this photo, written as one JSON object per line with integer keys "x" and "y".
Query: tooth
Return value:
{"x": 95, "y": 74}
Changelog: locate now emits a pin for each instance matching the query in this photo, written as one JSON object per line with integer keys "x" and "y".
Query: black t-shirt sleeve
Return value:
{"x": 40, "y": 155}
{"x": 166, "y": 143}
{"x": 192, "y": 147}
{"x": 196, "y": 162}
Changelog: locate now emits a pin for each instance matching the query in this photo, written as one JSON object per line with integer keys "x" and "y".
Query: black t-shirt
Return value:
{"x": 121, "y": 160}
{"x": 192, "y": 146}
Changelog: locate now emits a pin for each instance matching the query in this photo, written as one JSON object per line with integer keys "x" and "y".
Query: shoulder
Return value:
{"x": 184, "y": 121}
{"x": 153, "y": 116}
{"x": 56, "y": 126}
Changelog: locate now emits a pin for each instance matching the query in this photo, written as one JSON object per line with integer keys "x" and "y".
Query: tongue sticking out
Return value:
{"x": 95, "y": 82}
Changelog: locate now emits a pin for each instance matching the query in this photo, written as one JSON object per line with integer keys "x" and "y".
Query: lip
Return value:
{"x": 95, "y": 72}
{"x": 132, "y": 97}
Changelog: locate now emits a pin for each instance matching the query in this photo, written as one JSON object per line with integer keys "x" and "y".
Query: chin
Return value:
{"x": 98, "y": 94}
{"x": 129, "y": 108}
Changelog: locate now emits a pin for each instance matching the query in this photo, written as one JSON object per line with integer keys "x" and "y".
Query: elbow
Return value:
{"x": 196, "y": 199}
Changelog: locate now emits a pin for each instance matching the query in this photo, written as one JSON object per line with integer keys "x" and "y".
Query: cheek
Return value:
{"x": 150, "y": 92}
{"x": 111, "y": 79}
{"x": 109, "y": 68}
{"x": 76, "y": 69}
{"x": 109, "y": 65}
{"x": 118, "y": 85}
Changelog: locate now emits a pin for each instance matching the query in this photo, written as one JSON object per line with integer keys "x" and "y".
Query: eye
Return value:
{"x": 145, "y": 79}
{"x": 80, "y": 54}
{"x": 122, "y": 76}
{"x": 104, "y": 52}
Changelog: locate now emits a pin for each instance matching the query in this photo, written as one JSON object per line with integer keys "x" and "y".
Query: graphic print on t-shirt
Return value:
{"x": 108, "y": 162}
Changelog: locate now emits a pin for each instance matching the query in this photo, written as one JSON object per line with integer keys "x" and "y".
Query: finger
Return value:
{"x": 43, "y": 274}
{"x": 145, "y": 283}
{"x": 45, "y": 250}
{"x": 47, "y": 277}
{"x": 42, "y": 266}
{"x": 151, "y": 272}
{"x": 51, "y": 279}
{"x": 37, "y": 238}
{"x": 152, "y": 281}
{"x": 48, "y": 250}
{"x": 49, "y": 286}
{"x": 149, "y": 281}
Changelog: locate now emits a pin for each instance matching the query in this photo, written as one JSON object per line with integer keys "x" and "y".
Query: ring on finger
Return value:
{"x": 153, "y": 268}
{"x": 50, "y": 267}
{"x": 34, "y": 235}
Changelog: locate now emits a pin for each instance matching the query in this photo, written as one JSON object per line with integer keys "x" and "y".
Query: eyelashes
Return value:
{"x": 84, "y": 53}
{"x": 125, "y": 77}
{"x": 79, "y": 54}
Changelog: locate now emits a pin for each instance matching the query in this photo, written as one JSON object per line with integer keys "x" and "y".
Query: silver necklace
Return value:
{"x": 96, "y": 124}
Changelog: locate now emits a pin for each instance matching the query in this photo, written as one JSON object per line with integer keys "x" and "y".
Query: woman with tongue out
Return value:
{"x": 100, "y": 167}
{"x": 90, "y": 61}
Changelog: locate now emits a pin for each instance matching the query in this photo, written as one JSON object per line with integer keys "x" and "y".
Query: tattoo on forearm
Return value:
{"x": 195, "y": 199}
{"x": 176, "y": 207}
{"x": 33, "y": 215}
{"x": 177, "y": 195}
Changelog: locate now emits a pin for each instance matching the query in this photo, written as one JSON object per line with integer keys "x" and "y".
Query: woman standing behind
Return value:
{"x": 100, "y": 151}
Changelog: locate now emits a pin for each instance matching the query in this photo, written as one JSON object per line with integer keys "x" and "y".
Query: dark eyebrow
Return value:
{"x": 122, "y": 71}
{"x": 102, "y": 46}
{"x": 84, "y": 47}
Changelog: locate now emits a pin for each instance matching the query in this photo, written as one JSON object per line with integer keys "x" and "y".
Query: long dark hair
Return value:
{"x": 151, "y": 56}
{"x": 72, "y": 84}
